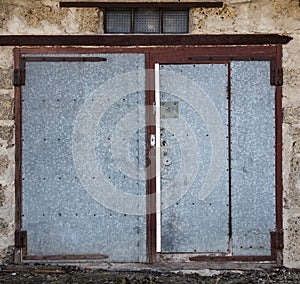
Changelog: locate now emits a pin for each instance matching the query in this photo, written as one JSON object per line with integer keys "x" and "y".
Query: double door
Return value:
{"x": 98, "y": 146}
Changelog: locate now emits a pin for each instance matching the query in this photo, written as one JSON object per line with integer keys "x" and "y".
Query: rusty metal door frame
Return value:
{"x": 177, "y": 55}
{"x": 226, "y": 55}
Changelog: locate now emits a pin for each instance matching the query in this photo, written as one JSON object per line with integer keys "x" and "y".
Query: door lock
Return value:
{"x": 152, "y": 140}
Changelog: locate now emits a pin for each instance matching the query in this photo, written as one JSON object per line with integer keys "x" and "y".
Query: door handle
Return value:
{"x": 152, "y": 140}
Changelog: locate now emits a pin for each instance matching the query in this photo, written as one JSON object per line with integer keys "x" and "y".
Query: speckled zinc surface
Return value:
{"x": 59, "y": 214}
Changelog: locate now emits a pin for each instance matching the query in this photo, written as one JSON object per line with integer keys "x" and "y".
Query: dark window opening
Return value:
{"x": 148, "y": 21}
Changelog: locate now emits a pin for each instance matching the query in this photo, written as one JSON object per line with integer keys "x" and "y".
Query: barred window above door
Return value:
{"x": 147, "y": 21}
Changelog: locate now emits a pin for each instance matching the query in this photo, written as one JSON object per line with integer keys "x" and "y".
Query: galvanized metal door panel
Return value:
{"x": 60, "y": 214}
{"x": 253, "y": 157}
{"x": 194, "y": 182}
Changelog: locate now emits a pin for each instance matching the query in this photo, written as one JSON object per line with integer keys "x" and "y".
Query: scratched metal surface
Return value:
{"x": 253, "y": 157}
{"x": 198, "y": 221}
{"x": 60, "y": 216}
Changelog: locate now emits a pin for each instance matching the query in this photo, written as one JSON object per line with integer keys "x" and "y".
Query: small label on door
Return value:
{"x": 169, "y": 110}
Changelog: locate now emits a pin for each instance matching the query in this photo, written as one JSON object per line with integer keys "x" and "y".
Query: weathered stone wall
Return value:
{"x": 45, "y": 17}
{"x": 6, "y": 154}
{"x": 237, "y": 16}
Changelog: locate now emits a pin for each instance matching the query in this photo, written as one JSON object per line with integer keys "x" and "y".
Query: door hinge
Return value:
{"x": 20, "y": 239}
{"x": 19, "y": 77}
{"x": 277, "y": 239}
{"x": 277, "y": 77}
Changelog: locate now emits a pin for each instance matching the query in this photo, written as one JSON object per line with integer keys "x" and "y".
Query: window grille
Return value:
{"x": 148, "y": 21}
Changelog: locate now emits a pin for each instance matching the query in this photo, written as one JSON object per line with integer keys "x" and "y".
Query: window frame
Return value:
{"x": 133, "y": 11}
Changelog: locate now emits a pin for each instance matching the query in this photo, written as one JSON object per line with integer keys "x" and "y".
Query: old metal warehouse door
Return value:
{"x": 85, "y": 139}
{"x": 216, "y": 177}
{"x": 79, "y": 114}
